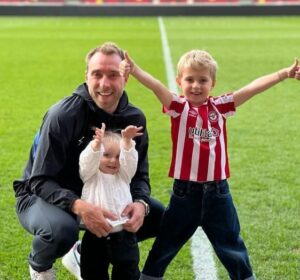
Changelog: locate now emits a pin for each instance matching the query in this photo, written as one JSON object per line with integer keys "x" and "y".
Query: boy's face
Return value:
{"x": 109, "y": 161}
{"x": 196, "y": 85}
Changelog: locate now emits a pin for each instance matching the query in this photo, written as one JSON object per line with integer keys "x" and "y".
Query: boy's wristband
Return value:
{"x": 279, "y": 76}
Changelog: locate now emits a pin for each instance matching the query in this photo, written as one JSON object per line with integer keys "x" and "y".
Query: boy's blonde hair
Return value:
{"x": 197, "y": 59}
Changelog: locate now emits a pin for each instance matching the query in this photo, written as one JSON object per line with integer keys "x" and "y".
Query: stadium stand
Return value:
{"x": 154, "y": 2}
{"x": 149, "y": 7}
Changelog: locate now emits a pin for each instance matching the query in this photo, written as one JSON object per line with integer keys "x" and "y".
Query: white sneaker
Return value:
{"x": 71, "y": 261}
{"x": 44, "y": 275}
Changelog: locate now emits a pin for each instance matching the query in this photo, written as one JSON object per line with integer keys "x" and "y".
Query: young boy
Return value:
{"x": 199, "y": 166}
{"x": 107, "y": 166}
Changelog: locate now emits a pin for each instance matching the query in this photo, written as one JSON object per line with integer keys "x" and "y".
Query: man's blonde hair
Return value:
{"x": 108, "y": 48}
{"x": 197, "y": 59}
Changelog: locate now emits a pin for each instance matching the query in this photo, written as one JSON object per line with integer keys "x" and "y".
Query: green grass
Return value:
{"x": 42, "y": 60}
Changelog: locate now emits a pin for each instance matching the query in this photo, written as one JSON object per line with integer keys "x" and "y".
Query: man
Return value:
{"x": 48, "y": 195}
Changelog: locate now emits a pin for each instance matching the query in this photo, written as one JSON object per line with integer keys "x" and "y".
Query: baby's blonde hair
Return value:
{"x": 111, "y": 136}
{"x": 197, "y": 59}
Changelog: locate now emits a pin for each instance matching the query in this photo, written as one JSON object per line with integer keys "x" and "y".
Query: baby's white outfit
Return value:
{"x": 111, "y": 192}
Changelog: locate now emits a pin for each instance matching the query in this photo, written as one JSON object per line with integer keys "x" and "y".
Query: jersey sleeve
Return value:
{"x": 225, "y": 104}
{"x": 176, "y": 107}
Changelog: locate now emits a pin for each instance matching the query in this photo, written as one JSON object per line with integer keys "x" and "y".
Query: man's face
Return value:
{"x": 105, "y": 84}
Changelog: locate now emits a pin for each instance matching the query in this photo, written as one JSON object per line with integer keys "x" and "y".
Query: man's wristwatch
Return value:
{"x": 146, "y": 205}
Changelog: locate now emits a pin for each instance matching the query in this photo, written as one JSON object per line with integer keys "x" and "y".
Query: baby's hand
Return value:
{"x": 99, "y": 134}
{"x": 131, "y": 131}
{"x": 126, "y": 66}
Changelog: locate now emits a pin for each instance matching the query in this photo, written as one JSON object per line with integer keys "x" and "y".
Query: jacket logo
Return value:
{"x": 80, "y": 141}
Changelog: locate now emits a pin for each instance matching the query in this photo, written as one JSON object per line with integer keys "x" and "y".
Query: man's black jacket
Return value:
{"x": 53, "y": 173}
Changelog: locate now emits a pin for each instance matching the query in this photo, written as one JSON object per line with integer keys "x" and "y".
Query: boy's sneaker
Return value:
{"x": 44, "y": 275}
{"x": 71, "y": 261}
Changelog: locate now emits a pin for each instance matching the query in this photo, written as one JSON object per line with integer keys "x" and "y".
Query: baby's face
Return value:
{"x": 109, "y": 161}
{"x": 196, "y": 85}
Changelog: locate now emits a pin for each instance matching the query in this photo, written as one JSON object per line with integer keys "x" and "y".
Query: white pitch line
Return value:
{"x": 167, "y": 57}
{"x": 203, "y": 262}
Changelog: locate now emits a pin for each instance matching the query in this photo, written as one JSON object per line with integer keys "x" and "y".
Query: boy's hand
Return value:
{"x": 99, "y": 134}
{"x": 294, "y": 70}
{"x": 126, "y": 66}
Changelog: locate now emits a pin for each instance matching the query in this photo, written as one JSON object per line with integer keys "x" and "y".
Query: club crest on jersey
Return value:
{"x": 213, "y": 116}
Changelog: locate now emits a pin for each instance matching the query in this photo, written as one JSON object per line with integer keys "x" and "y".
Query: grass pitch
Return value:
{"x": 42, "y": 60}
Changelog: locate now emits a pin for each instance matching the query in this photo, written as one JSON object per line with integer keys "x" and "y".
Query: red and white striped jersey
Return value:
{"x": 199, "y": 138}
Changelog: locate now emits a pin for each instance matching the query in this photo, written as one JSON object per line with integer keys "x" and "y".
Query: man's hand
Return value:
{"x": 94, "y": 217}
{"x": 136, "y": 213}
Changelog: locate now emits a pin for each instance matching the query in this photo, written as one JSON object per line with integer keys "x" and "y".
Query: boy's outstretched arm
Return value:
{"x": 265, "y": 82}
{"x": 163, "y": 94}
